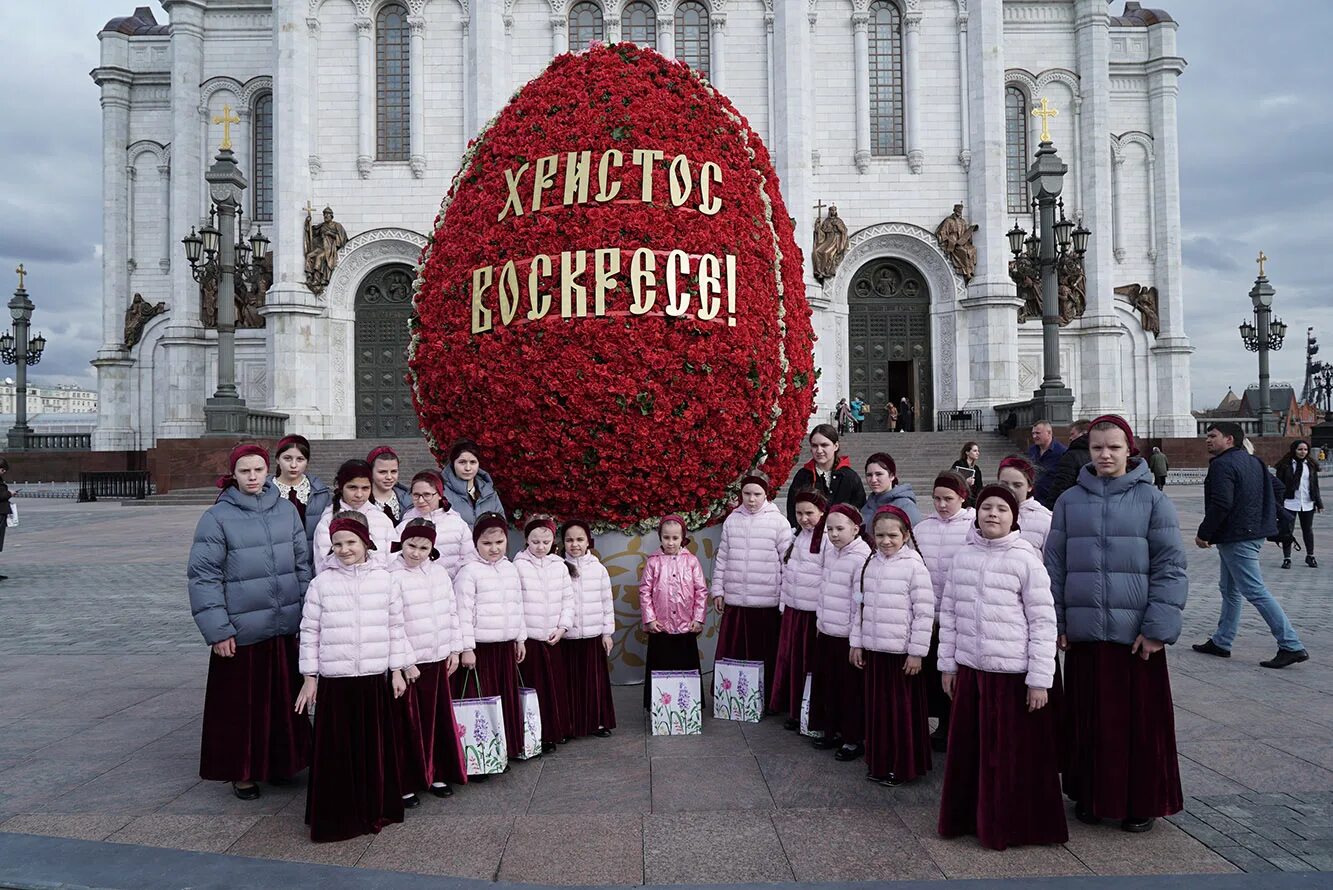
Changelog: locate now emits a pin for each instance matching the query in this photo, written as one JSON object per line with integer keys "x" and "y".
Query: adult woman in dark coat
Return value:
{"x": 966, "y": 466}
{"x": 248, "y": 570}
{"x": 827, "y": 472}
{"x": 1299, "y": 475}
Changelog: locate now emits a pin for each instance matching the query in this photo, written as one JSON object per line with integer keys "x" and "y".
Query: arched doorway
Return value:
{"x": 888, "y": 340}
{"x": 383, "y": 399}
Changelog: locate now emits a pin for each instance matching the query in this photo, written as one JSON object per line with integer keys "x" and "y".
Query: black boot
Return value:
{"x": 1311, "y": 561}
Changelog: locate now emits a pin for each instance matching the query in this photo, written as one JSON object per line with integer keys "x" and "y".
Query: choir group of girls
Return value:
{"x": 884, "y": 619}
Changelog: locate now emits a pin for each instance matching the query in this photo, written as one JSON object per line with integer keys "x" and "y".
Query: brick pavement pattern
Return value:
{"x": 101, "y": 692}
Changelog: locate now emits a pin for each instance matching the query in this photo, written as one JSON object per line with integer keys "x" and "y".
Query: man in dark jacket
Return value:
{"x": 1044, "y": 453}
{"x": 1240, "y": 511}
{"x": 1065, "y": 474}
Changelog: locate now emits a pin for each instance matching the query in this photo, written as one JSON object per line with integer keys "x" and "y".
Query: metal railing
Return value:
{"x": 136, "y": 484}
{"x": 1025, "y": 414}
{"x": 962, "y": 420}
{"x": 60, "y": 441}
{"x": 266, "y": 424}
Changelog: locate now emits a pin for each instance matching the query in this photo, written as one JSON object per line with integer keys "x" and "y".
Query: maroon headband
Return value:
{"x": 536, "y": 524}
{"x": 810, "y": 496}
{"x": 684, "y": 529}
{"x": 435, "y": 482}
{"x": 293, "y": 441}
{"x": 817, "y": 539}
{"x": 248, "y": 449}
{"x": 354, "y": 526}
{"x": 418, "y": 531}
{"x": 895, "y": 512}
{"x": 1022, "y": 464}
{"x": 380, "y": 451}
{"x": 486, "y": 522}
{"x": 952, "y": 481}
{"x": 1004, "y": 494}
{"x": 758, "y": 478}
{"x": 575, "y": 523}
{"x": 1117, "y": 421}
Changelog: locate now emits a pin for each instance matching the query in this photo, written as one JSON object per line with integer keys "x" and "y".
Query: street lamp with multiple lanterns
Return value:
{"x": 1264, "y": 335}
{"x": 17, "y": 350}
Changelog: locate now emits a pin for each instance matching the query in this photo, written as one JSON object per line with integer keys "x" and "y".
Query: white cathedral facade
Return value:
{"x": 892, "y": 110}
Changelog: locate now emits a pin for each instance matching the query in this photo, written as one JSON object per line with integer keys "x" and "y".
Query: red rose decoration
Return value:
{"x": 612, "y": 304}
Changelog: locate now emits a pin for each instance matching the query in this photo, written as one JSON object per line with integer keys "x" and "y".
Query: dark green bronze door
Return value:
{"x": 888, "y": 341}
{"x": 383, "y": 399}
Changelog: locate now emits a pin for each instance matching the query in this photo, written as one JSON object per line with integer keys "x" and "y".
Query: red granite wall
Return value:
{"x": 193, "y": 463}
{"x": 65, "y": 466}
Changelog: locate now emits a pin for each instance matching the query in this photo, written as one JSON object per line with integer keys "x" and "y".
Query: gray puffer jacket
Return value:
{"x": 1115, "y": 558}
{"x": 455, "y": 492}
{"x": 249, "y": 567}
{"x": 900, "y": 496}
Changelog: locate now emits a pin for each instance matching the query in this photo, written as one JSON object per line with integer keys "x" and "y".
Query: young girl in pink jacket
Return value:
{"x": 747, "y": 577}
{"x": 453, "y": 539}
{"x": 890, "y": 636}
{"x": 352, "y": 637}
{"x": 490, "y": 613}
{"x": 997, "y": 657}
{"x": 939, "y": 538}
{"x": 837, "y": 690}
{"x": 351, "y": 491}
{"x": 548, "y": 611}
{"x": 589, "y": 641}
{"x": 429, "y": 754}
{"x": 672, "y": 600}
{"x": 1018, "y": 475}
{"x": 802, "y": 576}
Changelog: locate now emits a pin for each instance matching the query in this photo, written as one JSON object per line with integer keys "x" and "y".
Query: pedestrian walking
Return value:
{"x": 1299, "y": 476}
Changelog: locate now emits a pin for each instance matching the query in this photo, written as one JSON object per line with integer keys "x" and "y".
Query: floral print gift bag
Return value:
{"x": 738, "y": 690}
{"x": 481, "y": 731}
{"x": 676, "y": 709}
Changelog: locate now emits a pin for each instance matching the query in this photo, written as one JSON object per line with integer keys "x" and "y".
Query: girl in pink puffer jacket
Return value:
{"x": 548, "y": 612}
{"x": 997, "y": 657}
{"x": 1018, "y": 475}
{"x": 890, "y": 636}
{"x": 802, "y": 577}
{"x": 353, "y": 654}
{"x": 351, "y": 491}
{"x": 453, "y": 539}
{"x": 430, "y": 755}
{"x": 747, "y": 577}
{"x": 589, "y": 641}
{"x": 837, "y": 690}
{"x": 672, "y": 600}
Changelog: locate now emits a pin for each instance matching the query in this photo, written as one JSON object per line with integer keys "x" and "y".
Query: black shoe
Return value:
{"x": 848, "y": 752}
{"x": 1136, "y": 826}
{"x": 443, "y": 789}
{"x": 411, "y": 801}
{"x": 1208, "y": 647}
{"x": 481, "y": 778}
{"x": 602, "y": 732}
{"x": 566, "y": 740}
{"x": 792, "y": 725}
{"x": 1286, "y": 657}
{"x": 1311, "y": 561}
{"x": 1084, "y": 815}
{"x": 889, "y": 781}
{"x": 939, "y": 740}
{"x": 250, "y": 792}
{"x": 823, "y": 743}
{"x": 1286, "y": 563}
{"x": 548, "y": 747}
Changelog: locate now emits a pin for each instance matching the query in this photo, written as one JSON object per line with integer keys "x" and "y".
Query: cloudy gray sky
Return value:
{"x": 1255, "y": 128}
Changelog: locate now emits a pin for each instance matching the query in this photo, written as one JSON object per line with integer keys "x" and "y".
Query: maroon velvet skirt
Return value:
{"x": 897, "y": 725}
{"x": 428, "y": 746}
{"x": 252, "y": 732}
{"x": 796, "y": 653}
{"x": 1120, "y": 733}
{"x": 669, "y": 652}
{"x": 1001, "y": 779}
{"x": 937, "y": 703}
{"x": 589, "y": 676}
{"x": 354, "y": 786}
{"x": 750, "y": 633}
{"x": 837, "y": 692}
{"x": 544, "y": 670}
{"x": 497, "y": 674}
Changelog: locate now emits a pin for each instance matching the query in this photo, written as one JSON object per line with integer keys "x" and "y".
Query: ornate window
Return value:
{"x": 886, "y": 79}
{"x": 262, "y": 193}
{"x": 692, "y": 35}
{"x": 1016, "y": 148}
{"x": 393, "y": 83}
{"x": 638, "y": 24}
{"x": 585, "y": 25}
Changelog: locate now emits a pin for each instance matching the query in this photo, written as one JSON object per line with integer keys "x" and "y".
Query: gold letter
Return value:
{"x": 710, "y": 285}
{"x": 681, "y": 183}
{"x": 540, "y": 303}
{"x": 577, "y": 168}
{"x": 607, "y": 263}
{"x": 617, "y": 159}
{"x": 678, "y": 263}
{"x": 508, "y": 292}
{"x": 708, "y": 205}
{"x": 731, "y": 290}
{"x": 544, "y": 178}
{"x": 573, "y": 296}
{"x": 642, "y": 155}
{"x": 512, "y": 180}
{"x": 643, "y": 281}
{"x": 481, "y": 316}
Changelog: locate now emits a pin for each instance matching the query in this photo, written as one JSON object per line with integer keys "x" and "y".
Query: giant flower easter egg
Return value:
{"x": 612, "y": 304}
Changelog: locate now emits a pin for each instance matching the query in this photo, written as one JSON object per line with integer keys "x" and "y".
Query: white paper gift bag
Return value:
{"x": 532, "y": 723}
{"x": 481, "y": 731}
{"x": 675, "y": 707}
{"x": 805, "y": 710}
{"x": 738, "y": 690}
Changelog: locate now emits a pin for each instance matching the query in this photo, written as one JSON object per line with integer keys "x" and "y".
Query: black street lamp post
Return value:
{"x": 17, "y": 350}
{"x": 1264, "y": 335}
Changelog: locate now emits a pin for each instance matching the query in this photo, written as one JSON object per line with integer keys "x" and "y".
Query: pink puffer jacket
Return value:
{"x": 352, "y": 623}
{"x": 490, "y": 602}
{"x": 940, "y": 540}
{"x": 1034, "y": 523}
{"x": 430, "y": 615}
{"x": 748, "y": 567}
{"x": 453, "y": 538}
{"x": 842, "y": 569}
{"x": 594, "y": 609}
{"x": 897, "y": 611}
{"x": 382, "y": 533}
{"x": 803, "y": 574}
{"x": 548, "y": 595}
{"x": 998, "y": 614}
{"x": 672, "y": 591}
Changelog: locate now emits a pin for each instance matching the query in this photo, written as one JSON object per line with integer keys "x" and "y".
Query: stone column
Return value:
{"x": 768, "y": 50}
{"x": 417, "y": 97}
{"x": 1171, "y": 352}
{"x": 1117, "y": 212}
{"x": 717, "y": 74}
{"x": 313, "y": 162}
{"x": 1099, "y": 390}
{"x": 991, "y": 304}
{"x": 168, "y": 241}
{"x": 964, "y": 83}
{"x": 666, "y": 33}
{"x": 365, "y": 93}
{"x": 861, "y": 57}
{"x": 559, "y": 35}
{"x": 183, "y": 342}
{"x": 114, "y": 393}
{"x": 488, "y": 59}
{"x": 916, "y": 158}
{"x": 611, "y": 25}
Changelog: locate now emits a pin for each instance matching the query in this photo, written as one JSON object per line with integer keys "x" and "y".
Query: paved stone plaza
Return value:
{"x": 101, "y": 691}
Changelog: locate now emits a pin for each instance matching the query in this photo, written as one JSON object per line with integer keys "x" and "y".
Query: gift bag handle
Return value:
{"x": 471, "y": 672}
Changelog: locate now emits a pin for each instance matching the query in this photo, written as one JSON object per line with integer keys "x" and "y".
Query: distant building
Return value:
{"x": 1294, "y": 419}
{"x": 63, "y": 398}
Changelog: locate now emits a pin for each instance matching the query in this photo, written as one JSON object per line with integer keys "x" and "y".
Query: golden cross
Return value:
{"x": 226, "y": 119}
{"x": 22, "y": 272}
{"x": 1261, "y": 260}
{"x": 308, "y": 208}
{"x": 819, "y": 209}
{"x": 1045, "y": 112}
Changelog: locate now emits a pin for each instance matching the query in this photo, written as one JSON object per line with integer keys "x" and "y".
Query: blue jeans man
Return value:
{"x": 1241, "y": 580}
